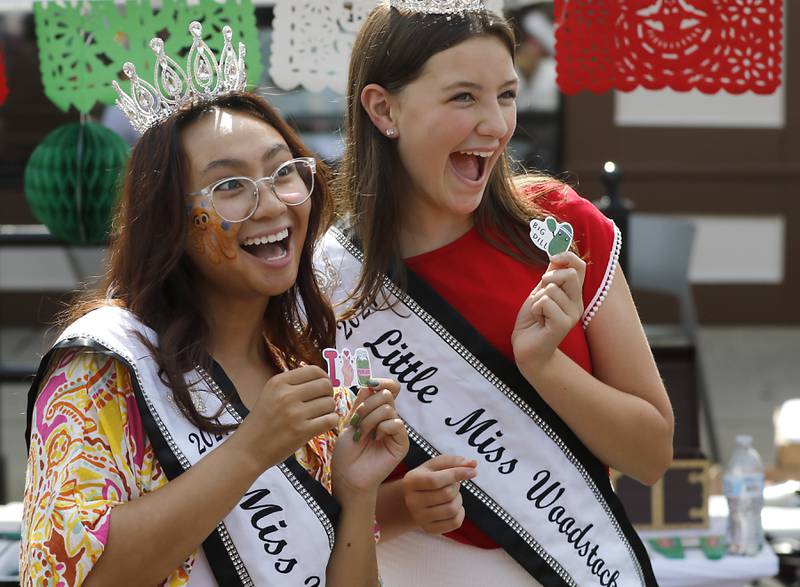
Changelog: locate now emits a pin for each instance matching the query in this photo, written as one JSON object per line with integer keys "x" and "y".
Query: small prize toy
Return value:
{"x": 363, "y": 368}
{"x": 551, "y": 236}
{"x": 348, "y": 369}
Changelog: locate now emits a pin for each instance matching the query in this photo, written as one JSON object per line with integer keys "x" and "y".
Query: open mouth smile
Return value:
{"x": 471, "y": 166}
{"x": 273, "y": 248}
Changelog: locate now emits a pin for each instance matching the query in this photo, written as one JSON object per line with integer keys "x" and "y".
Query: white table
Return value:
{"x": 695, "y": 570}
{"x": 10, "y": 516}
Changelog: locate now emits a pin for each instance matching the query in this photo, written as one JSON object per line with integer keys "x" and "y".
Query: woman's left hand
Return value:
{"x": 550, "y": 311}
{"x": 372, "y": 444}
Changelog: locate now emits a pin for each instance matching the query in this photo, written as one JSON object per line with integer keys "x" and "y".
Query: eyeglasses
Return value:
{"x": 235, "y": 199}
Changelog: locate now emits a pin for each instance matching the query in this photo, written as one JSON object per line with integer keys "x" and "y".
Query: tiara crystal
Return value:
{"x": 439, "y": 6}
{"x": 204, "y": 78}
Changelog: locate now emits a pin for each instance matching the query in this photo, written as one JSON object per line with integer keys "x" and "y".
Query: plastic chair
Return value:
{"x": 659, "y": 249}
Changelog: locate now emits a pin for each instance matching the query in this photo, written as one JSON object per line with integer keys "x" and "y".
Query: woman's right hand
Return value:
{"x": 373, "y": 443}
{"x": 432, "y": 495}
{"x": 551, "y": 310}
{"x": 293, "y": 407}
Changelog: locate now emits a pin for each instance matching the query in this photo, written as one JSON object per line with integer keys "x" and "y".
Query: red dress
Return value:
{"x": 487, "y": 287}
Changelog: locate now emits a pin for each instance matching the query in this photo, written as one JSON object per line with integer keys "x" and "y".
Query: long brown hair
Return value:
{"x": 150, "y": 274}
{"x": 391, "y": 50}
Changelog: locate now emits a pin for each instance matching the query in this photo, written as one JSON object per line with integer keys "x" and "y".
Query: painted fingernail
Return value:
{"x": 357, "y": 436}
{"x": 355, "y": 420}
{"x": 373, "y": 383}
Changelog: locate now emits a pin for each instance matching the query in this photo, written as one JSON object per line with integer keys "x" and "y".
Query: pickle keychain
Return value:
{"x": 551, "y": 236}
{"x": 349, "y": 369}
{"x": 363, "y": 368}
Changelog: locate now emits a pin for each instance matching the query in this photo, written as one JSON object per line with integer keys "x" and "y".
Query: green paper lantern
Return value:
{"x": 71, "y": 181}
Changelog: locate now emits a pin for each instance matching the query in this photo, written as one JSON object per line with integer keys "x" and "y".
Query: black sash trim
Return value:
{"x": 221, "y": 564}
{"x": 325, "y": 500}
{"x": 33, "y": 392}
{"x": 508, "y": 373}
{"x": 494, "y": 527}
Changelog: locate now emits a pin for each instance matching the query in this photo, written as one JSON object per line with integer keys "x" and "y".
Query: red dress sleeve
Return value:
{"x": 598, "y": 241}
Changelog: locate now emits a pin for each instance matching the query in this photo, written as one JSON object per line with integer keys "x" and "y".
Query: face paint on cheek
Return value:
{"x": 226, "y": 238}
{"x": 209, "y": 234}
{"x": 200, "y": 219}
{"x": 198, "y": 227}
{"x": 217, "y": 243}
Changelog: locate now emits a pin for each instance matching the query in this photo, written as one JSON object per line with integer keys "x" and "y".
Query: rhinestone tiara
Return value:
{"x": 204, "y": 78}
{"x": 439, "y": 6}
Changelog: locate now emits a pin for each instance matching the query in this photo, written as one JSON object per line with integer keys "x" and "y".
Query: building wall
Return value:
{"x": 730, "y": 162}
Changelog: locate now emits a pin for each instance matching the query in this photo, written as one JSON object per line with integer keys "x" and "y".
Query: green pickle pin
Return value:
{"x": 551, "y": 236}
{"x": 562, "y": 236}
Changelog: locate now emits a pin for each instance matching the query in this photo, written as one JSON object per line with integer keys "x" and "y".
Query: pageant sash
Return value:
{"x": 282, "y": 530}
{"x": 539, "y": 493}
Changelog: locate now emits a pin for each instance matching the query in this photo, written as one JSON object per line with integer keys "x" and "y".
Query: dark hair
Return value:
{"x": 150, "y": 274}
{"x": 391, "y": 50}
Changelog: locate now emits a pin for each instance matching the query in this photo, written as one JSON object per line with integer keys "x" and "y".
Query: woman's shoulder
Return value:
{"x": 84, "y": 378}
{"x": 562, "y": 201}
{"x": 88, "y": 449}
{"x": 596, "y": 237}
{"x": 88, "y": 395}
{"x": 107, "y": 316}
{"x": 591, "y": 227}
{"x": 112, "y": 330}
{"x": 87, "y": 363}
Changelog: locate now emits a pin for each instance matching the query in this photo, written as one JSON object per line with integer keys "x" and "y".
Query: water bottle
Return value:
{"x": 743, "y": 485}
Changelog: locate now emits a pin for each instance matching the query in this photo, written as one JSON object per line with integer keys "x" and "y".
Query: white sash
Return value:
{"x": 281, "y": 532}
{"x": 539, "y": 492}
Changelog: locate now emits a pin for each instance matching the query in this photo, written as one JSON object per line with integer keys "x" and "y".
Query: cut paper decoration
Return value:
{"x": 3, "y": 85}
{"x": 348, "y": 369}
{"x": 705, "y": 45}
{"x": 83, "y": 45}
{"x": 551, "y": 236}
{"x": 312, "y": 41}
{"x": 240, "y": 15}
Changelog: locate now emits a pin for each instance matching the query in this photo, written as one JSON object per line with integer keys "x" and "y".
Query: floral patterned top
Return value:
{"x": 88, "y": 453}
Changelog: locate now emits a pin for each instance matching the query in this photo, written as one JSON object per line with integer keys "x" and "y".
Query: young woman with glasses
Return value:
{"x": 182, "y": 430}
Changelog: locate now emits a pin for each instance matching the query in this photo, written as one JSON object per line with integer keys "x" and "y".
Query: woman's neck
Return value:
{"x": 424, "y": 229}
{"x": 236, "y": 334}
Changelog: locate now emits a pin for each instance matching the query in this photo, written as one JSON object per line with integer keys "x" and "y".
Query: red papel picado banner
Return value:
{"x": 707, "y": 45}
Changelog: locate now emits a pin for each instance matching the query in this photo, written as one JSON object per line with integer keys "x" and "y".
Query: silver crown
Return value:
{"x": 173, "y": 87}
{"x": 439, "y": 6}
